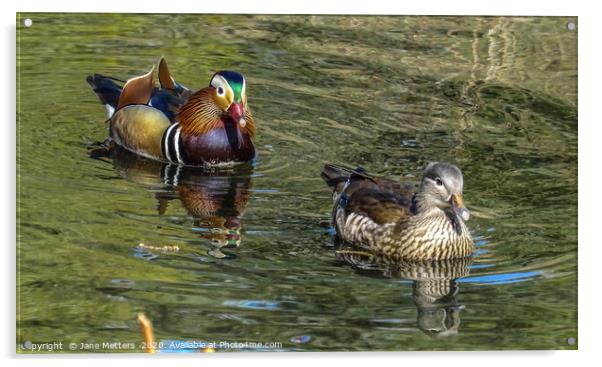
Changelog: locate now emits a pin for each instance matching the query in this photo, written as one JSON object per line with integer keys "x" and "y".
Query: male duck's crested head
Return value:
{"x": 230, "y": 94}
{"x": 234, "y": 82}
{"x": 224, "y": 99}
{"x": 442, "y": 186}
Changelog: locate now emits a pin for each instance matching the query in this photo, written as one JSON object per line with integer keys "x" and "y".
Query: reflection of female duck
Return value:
{"x": 434, "y": 286}
{"x": 216, "y": 199}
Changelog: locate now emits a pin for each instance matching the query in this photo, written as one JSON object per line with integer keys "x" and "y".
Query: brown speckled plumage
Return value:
{"x": 402, "y": 221}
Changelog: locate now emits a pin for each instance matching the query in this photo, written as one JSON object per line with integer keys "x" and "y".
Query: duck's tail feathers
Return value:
{"x": 107, "y": 91}
{"x": 336, "y": 176}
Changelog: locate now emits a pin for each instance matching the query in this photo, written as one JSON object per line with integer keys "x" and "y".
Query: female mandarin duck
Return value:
{"x": 211, "y": 127}
{"x": 398, "y": 220}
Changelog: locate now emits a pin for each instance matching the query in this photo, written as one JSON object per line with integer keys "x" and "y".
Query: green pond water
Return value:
{"x": 256, "y": 260}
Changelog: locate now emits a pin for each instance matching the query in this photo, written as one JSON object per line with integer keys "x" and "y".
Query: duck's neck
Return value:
{"x": 424, "y": 206}
{"x": 200, "y": 115}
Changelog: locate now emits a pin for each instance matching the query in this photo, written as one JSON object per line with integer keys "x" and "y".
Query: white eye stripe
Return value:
{"x": 218, "y": 82}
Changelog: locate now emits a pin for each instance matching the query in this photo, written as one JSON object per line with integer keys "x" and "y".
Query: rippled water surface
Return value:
{"x": 249, "y": 255}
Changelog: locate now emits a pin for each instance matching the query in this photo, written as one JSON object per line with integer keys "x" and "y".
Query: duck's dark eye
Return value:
{"x": 438, "y": 181}
{"x": 220, "y": 91}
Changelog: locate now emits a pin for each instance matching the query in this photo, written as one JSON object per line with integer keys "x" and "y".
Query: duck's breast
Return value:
{"x": 435, "y": 238}
{"x": 223, "y": 144}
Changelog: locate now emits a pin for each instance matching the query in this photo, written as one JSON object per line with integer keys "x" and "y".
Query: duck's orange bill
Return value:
{"x": 458, "y": 201}
{"x": 237, "y": 112}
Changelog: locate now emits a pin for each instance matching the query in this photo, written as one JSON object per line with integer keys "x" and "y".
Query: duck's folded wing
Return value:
{"x": 380, "y": 206}
{"x": 336, "y": 175}
{"x": 169, "y": 83}
{"x": 137, "y": 90}
{"x": 405, "y": 190}
{"x": 167, "y": 102}
{"x": 171, "y": 96}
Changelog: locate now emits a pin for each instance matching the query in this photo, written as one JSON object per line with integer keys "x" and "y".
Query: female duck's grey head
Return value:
{"x": 442, "y": 186}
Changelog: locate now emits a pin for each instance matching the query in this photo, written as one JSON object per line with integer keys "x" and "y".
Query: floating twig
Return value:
{"x": 146, "y": 326}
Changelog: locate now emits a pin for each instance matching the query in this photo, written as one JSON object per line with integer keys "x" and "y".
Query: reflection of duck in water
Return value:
{"x": 434, "y": 286}
{"x": 402, "y": 221}
{"x": 216, "y": 199}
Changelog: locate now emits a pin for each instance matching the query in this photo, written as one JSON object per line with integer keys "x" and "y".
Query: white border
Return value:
{"x": 426, "y": 7}
{"x": 589, "y": 178}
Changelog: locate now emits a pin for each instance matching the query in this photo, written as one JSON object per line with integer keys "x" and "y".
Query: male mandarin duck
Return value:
{"x": 399, "y": 220}
{"x": 213, "y": 126}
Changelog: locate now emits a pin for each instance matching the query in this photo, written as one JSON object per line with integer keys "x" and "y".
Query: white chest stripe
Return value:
{"x": 177, "y": 145}
{"x": 166, "y": 142}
